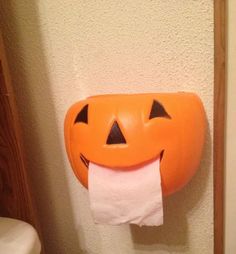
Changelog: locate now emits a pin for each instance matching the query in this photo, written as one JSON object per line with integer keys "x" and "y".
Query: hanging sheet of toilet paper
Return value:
{"x": 126, "y": 196}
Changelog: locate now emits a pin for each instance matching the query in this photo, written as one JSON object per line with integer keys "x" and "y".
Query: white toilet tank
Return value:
{"x": 18, "y": 237}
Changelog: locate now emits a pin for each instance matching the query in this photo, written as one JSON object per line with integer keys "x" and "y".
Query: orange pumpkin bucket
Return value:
{"x": 124, "y": 131}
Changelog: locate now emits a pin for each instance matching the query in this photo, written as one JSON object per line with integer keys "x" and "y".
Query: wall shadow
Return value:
{"x": 56, "y": 238}
{"x": 173, "y": 235}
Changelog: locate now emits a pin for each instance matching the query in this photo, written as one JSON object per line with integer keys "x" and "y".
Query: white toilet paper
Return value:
{"x": 126, "y": 196}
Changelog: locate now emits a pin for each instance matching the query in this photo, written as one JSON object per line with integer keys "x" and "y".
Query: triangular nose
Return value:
{"x": 115, "y": 136}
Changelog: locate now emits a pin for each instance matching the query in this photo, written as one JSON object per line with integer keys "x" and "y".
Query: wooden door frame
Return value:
{"x": 15, "y": 191}
{"x": 219, "y": 121}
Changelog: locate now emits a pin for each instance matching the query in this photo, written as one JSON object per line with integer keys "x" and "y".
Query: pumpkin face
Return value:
{"x": 125, "y": 131}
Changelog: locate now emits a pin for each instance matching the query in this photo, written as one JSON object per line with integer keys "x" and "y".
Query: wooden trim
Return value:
{"x": 15, "y": 193}
{"x": 219, "y": 122}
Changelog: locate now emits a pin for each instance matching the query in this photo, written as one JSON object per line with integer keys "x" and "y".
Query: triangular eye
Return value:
{"x": 158, "y": 111}
{"x": 82, "y": 117}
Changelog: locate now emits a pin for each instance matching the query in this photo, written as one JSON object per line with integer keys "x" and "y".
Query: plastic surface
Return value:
{"x": 124, "y": 131}
{"x": 18, "y": 237}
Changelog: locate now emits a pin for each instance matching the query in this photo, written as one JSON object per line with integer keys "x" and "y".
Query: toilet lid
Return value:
{"x": 18, "y": 237}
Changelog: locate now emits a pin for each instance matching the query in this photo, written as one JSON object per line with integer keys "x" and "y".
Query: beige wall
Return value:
{"x": 230, "y": 189}
{"x": 61, "y": 51}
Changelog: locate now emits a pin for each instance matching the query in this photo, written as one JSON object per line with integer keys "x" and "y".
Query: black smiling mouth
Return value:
{"x": 86, "y": 161}
{"x": 161, "y": 154}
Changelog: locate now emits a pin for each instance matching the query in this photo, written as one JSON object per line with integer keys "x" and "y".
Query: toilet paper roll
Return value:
{"x": 119, "y": 196}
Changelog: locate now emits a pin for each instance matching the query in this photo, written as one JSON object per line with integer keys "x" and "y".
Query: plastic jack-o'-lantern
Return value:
{"x": 124, "y": 131}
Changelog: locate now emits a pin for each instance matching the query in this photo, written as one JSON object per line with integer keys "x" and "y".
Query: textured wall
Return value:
{"x": 230, "y": 173}
{"x": 61, "y": 51}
